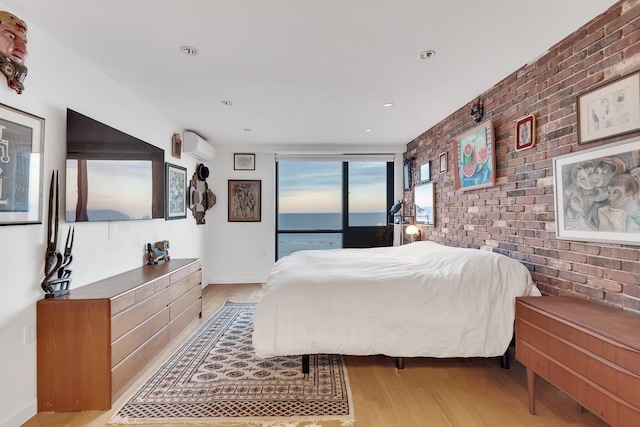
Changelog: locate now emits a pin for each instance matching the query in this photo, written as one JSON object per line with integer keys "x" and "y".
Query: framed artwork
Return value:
{"x": 21, "y": 167}
{"x": 525, "y": 132}
{"x": 444, "y": 161}
{"x": 406, "y": 174}
{"x": 175, "y": 188}
{"x": 245, "y": 197}
{"x": 609, "y": 110}
{"x": 597, "y": 194}
{"x": 475, "y": 160}
{"x": 424, "y": 199}
{"x": 425, "y": 172}
{"x": 176, "y": 145}
{"x": 244, "y": 162}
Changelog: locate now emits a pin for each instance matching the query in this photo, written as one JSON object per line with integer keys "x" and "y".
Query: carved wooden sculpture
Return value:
{"x": 57, "y": 275}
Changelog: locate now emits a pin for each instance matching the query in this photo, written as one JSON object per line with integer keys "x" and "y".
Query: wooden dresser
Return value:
{"x": 92, "y": 341}
{"x": 588, "y": 350}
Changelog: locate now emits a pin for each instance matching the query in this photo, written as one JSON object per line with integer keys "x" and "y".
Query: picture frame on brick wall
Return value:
{"x": 425, "y": 172}
{"x": 475, "y": 160}
{"x": 443, "y": 160}
{"x": 525, "y": 132}
{"x": 596, "y": 194}
{"x": 611, "y": 109}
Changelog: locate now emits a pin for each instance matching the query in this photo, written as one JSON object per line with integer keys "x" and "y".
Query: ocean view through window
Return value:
{"x": 318, "y": 201}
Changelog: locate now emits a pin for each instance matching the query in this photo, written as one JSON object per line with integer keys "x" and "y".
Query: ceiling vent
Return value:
{"x": 197, "y": 147}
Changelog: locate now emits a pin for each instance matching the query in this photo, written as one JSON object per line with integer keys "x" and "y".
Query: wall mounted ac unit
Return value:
{"x": 197, "y": 147}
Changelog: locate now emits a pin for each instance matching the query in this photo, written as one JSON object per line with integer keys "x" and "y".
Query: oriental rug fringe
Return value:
{"x": 216, "y": 378}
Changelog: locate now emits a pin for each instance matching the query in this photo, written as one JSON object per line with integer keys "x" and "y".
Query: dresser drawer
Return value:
{"x": 131, "y": 318}
{"x": 136, "y": 337}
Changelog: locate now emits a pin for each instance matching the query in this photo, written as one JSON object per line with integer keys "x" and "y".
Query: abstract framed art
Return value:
{"x": 21, "y": 167}
{"x": 609, "y": 110}
{"x": 475, "y": 160}
{"x": 175, "y": 192}
{"x": 596, "y": 194}
{"x": 245, "y": 199}
{"x": 244, "y": 161}
{"x": 525, "y": 132}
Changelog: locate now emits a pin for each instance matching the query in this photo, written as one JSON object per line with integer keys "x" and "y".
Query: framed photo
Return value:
{"x": 609, "y": 110}
{"x": 175, "y": 192}
{"x": 597, "y": 194}
{"x": 176, "y": 145}
{"x": 244, "y": 162}
{"x": 475, "y": 160}
{"x": 245, "y": 199}
{"x": 21, "y": 167}
{"x": 425, "y": 172}
{"x": 444, "y": 161}
{"x": 525, "y": 132}
{"x": 424, "y": 199}
{"x": 406, "y": 174}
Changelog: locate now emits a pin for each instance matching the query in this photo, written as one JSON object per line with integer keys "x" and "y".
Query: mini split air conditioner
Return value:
{"x": 197, "y": 147}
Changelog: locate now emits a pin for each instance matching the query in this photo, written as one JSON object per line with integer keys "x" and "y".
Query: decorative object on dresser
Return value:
{"x": 609, "y": 110}
{"x": 57, "y": 274}
{"x": 21, "y": 167}
{"x": 597, "y": 193}
{"x": 158, "y": 252}
{"x": 244, "y": 162}
{"x": 175, "y": 192}
{"x": 475, "y": 159}
{"x": 245, "y": 200}
{"x": 525, "y": 132}
{"x": 216, "y": 378}
{"x": 93, "y": 341}
{"x": 201, "y": 198}
{"x": 588, "y": 350}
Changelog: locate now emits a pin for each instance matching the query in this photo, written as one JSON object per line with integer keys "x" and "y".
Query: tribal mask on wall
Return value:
{"x": 13, "y": 50}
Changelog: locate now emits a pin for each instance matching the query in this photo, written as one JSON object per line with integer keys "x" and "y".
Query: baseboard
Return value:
{"x": 22, "y": 416}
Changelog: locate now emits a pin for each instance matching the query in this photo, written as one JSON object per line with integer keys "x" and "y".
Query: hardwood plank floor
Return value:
{"x": 427, "y": 393}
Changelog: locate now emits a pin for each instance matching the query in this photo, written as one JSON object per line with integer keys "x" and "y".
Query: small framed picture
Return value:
{"x": 176, "y": 192}
{"x": 474, "y": 159}
{"x": 609, "y": 110}
{"x": 176, "y": 145}
{"x": 443, "y": 162}
{"x": 245, "y": 199}
{"x": 525, "y": 132}
{"x": 406, "y": 174}
{"x": 425, "y": 172}
{"x": 244, "y": 162}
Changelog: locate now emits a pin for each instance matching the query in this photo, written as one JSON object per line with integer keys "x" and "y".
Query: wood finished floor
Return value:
{"x": 427, "y": 393}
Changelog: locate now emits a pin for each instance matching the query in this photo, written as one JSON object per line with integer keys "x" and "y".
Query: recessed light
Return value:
{"x": 427, "y": 54}
{"x": 388, "y": 104}
{"x": 189, "y": 50}
{"x": 368, "y": 130}
{"x": 227, "y": 103}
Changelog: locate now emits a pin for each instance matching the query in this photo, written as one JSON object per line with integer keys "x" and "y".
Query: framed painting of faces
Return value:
{"x": 597, "y": 194}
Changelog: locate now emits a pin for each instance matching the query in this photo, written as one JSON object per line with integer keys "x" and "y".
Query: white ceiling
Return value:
{"x": 307, "y": 72}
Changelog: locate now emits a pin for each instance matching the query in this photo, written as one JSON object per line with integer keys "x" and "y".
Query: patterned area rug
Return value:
{"x": 215, "y": 377}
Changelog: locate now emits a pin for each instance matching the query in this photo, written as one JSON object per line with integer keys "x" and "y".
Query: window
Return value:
{"x": 332, "y": 204}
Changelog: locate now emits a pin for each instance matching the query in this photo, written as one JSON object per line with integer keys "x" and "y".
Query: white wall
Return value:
{"x": 232, "y": 252}
{"x": 57, "y": 79}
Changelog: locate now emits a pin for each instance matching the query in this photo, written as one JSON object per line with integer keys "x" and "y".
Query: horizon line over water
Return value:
{"x": 291, "y": 242}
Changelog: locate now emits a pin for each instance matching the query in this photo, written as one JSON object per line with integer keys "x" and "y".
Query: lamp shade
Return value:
{"x": 411, "y": 230}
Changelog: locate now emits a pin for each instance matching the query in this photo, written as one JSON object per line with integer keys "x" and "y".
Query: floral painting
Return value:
{"x": 598, "y": 194}
{"x": 475, "y": 158}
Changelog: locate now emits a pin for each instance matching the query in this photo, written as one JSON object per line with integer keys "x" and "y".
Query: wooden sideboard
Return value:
{"x": 586, "y": 349}
{"x": 92, "y": 341}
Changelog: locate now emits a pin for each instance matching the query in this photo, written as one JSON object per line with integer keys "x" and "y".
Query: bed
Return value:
{"x": 417, "y": 300}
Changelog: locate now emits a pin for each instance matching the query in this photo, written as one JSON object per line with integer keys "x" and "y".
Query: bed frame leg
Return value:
{"x": 305, "y": 363}
{"x": 504, "y": 360}
{"x": 399, "y": 363}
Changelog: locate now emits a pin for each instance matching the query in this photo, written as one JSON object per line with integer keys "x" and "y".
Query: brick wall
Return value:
{"x": 516, "y": 217}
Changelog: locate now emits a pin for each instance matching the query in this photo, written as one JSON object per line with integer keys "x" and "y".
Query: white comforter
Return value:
{"x": 421, "y": 299}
